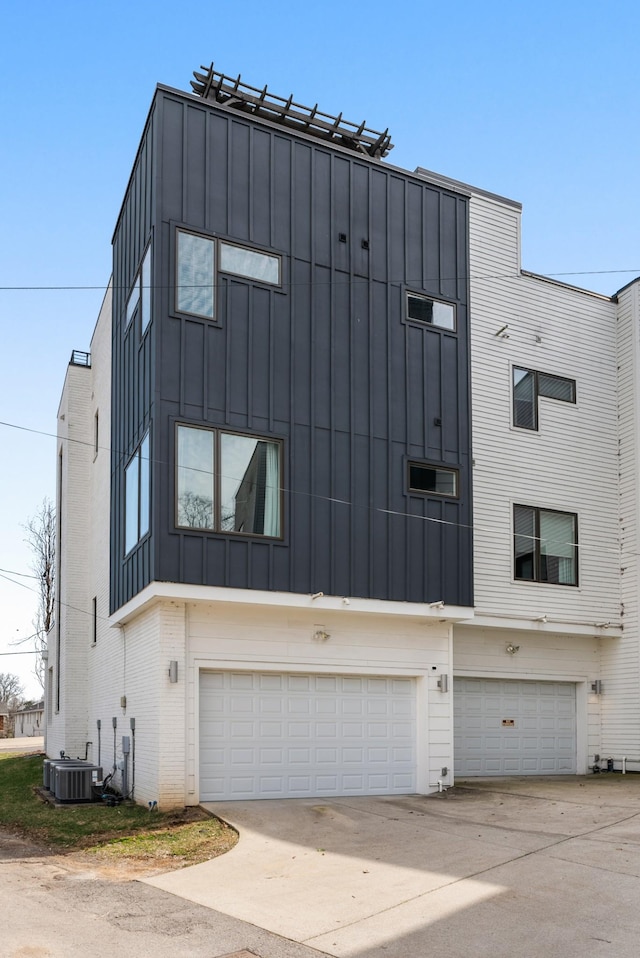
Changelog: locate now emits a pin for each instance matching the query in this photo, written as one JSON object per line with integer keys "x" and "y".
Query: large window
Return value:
{"x": 196, "y": 270}
{"x": 227, "y": 482}
{"x": 528, "y": 385}
{"x": 545, "y": 545}
{"x": 137, "y": 481}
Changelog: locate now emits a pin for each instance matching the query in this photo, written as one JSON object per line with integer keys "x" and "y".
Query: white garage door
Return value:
{"x": 509, "y": 727}
{"x": 265, "y": 735}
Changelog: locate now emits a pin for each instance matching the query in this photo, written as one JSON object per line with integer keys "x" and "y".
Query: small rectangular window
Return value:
{"x": 424, "y": 309}
{"x": 94, "y": 620}
{"x": 433, "y": 480}
{"x": 195, "y": 275}
{"x": 250, "y": 263}
{"x": 96, "y": 434}
{"x": 556, "y": 387}
{"x": 545, "y": 545}
{"x": 528, "y": 386}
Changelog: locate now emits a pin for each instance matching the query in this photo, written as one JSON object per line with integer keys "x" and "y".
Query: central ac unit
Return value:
{"x": 50, "y": 768}
{"x": 74, "y": 784}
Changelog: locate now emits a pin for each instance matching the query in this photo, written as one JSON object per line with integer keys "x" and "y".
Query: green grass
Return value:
{"x": 129, "y": 830}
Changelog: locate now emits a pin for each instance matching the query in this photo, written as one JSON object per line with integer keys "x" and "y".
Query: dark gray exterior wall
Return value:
{"x": 327, "y": 363}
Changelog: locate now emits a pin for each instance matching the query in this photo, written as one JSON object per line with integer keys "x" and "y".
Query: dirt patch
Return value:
{"x": 189, "y": 837}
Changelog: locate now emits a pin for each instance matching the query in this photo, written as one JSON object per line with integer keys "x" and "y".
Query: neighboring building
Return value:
{"x": 268, "y": 583}
{"x": 29, "y": 720}
{"x": 5, "y": 722}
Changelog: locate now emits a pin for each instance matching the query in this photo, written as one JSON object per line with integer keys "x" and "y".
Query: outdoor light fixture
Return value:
{"x": 443, "y": 682}
{"x": 321, "y": 636}
{"x": 596, "y": 687}
{"x": 173, "y": 671}
{"x": 512, "y": 649}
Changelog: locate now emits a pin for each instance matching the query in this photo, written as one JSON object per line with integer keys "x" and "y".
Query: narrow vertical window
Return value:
{"x": 96, "y": 434}
{"x": 145, "y": 290}
{"x": 137, "y": 488}
{"x": 94, "y": 620}
{"x": 131, "y": 498}
{"x": 249, "y": 485}
{"x": 195, "y": 478}
{"x": 525, "y": 399}
{"x": 195, "y": 275}
{"x": 145, "y": 483}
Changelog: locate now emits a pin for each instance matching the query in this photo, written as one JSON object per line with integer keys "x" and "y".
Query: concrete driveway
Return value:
{"x": 24, "y": 746}
{"x": 500, "y": 867}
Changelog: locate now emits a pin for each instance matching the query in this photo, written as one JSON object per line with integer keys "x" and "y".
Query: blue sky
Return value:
{"x": 535, "y": 102}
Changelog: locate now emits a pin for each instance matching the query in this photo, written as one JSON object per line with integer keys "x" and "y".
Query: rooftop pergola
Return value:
{"x": 247, "y": 99}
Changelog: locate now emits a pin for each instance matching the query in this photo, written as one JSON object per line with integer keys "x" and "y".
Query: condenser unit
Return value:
{"x": 74, "y": 784}
{"x": 50, "y": 768}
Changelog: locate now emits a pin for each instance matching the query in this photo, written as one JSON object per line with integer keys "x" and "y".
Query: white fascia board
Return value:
{"x": 554, "y": 625}
{"x": 182, "y": 592}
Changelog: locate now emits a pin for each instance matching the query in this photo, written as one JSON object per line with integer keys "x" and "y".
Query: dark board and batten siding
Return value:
{"x": 326, "y": 363}
{"x": 132, "y": 366}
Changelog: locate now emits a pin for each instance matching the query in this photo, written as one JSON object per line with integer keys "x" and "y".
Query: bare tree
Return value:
{"x": 10, "y": 690}
{"x": 41, "y": 537}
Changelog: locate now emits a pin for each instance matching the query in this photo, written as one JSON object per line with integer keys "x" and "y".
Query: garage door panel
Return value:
{"x": 302, "y": 753}
{"x": 514, "y": 727}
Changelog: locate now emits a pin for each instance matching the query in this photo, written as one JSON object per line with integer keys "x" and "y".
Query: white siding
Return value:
{"x": 570, "y": 463}
{"x": 621, "y": 658}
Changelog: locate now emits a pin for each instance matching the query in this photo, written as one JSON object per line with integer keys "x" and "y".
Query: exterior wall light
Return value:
{"x": 173, "y": 671}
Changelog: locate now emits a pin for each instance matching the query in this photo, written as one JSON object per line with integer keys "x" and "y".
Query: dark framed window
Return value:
{"x": 195, "y": 274}
{"x": 252, "y": 263}
{"x": 433, "y": 312}
{"x": 197, "y": 259}
{"x": 139, "y": 299}
{"x": 433, "y": 480}
{"x": 529, "y": 385}
{"x": 545, "y": 545}
{"x": 228, "y": 482}
{"x": 94, "y": 620}
{"x": 137, "y": 496}
{"x": 96, "y": 434}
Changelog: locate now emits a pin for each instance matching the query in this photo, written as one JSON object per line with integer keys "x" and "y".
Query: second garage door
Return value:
{"x": 510, "y": 727}
{"x": 265, "y": 735}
